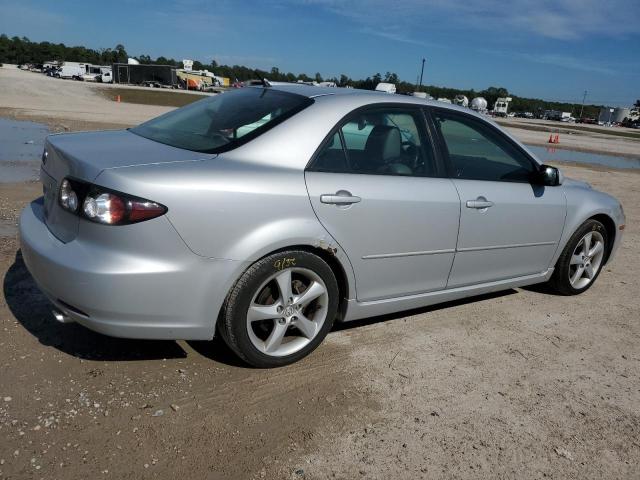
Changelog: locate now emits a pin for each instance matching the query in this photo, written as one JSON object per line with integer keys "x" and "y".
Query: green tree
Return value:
{"x": 391, "y": 78}
{"x": 121, "y": 54}
{"x": 21, "y": 50}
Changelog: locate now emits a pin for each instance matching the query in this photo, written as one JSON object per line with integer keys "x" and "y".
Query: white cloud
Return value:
{"x": 567, "y": 61}
{"x": 556, "y": 19}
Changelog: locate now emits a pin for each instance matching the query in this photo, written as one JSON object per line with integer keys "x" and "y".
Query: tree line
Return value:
{"x": 21, "y": 50}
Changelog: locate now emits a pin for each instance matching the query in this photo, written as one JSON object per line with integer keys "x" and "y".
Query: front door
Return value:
{"x": 377, "y": 190}
{"x": 509, "y": 227}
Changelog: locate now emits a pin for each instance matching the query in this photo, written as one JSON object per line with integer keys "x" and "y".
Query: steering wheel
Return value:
{"x": 411, "y": 153}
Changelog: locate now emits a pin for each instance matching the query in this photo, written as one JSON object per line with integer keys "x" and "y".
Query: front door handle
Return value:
{"x": 480, "y": 203}
{"x": 341, "y": 197}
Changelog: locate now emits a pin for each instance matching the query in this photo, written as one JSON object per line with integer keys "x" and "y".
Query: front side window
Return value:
{"x": 379, "y": 141}
{"x": 224, "y": 121}
{"x": 479, "y": 152}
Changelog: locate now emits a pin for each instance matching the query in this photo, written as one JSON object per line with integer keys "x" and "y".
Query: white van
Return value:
{"x": 71, "y": 69}
{"x": 386, "y": 87}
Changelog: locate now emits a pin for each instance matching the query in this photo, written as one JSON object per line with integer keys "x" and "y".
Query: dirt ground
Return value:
{"x": 585, "y": 138}
{"x": 519, "y": 384}
{"x": 30, "y": 95}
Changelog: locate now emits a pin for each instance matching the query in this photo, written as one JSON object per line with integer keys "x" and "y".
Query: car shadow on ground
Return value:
{"x": 218, "y": 351}
{"x": 33, "y": 310}
{"x": 417, "y": 311}
{"x": 542, "y": 288}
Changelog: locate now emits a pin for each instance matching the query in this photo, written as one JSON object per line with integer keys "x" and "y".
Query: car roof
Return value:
{"x": 363, "y": 97}
{"x": 313, "y": 91}
{"x": 330, "y": 106}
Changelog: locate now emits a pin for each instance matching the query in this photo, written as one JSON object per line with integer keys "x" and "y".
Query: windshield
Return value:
{"x": 224, "y": 121}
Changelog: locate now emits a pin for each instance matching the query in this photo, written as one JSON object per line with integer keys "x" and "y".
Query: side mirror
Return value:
{"x": 549, "y": 176}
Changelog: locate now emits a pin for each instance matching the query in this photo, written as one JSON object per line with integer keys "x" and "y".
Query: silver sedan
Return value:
{"x": 266, "y": 214}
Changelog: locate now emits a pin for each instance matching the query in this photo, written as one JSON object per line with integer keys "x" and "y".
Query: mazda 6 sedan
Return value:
{"x": 266, "y": 214}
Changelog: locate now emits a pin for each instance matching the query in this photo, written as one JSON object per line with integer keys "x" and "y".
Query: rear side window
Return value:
{"x": 332, "y": 158}
{"x": 224, "y": 121}
{"x": 380, "y": 142}
{"x": 479, "y": 152}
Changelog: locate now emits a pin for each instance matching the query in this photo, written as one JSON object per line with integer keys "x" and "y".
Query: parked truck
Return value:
{"x": 71, "y": 70}
{"x": 557, "y": 115}
{"x": 501, "y": 106}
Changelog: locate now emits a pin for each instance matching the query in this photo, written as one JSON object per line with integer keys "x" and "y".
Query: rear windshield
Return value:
{"x": 224, "y": 121}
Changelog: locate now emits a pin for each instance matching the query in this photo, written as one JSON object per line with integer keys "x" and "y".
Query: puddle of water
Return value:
{"x": 550, "y": 154}
{"x": 21, "y": 145}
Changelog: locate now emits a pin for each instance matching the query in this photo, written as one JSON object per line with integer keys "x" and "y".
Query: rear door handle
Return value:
{"x": 480, "y": 203}
{"x": 341, "y": 197}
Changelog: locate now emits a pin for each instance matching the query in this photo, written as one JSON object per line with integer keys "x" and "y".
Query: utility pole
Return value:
{"x": 583, "y": 99}
{"x": 422, "y": 71}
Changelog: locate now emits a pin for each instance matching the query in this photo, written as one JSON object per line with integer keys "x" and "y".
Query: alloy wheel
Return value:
{"x": 287, "y": 311}
{"x": 586, "y": 260}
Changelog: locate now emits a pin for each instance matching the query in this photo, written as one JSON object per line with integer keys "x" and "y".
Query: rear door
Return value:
{"x": 377, "y": 189}
{"x": 509, "y": 227}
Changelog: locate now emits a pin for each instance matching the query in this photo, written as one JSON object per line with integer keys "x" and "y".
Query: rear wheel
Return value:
{"x": 281, "y": 309}
{"x": 581, "y": 260}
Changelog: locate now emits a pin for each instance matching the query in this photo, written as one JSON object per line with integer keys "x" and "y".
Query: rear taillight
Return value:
{"x": 102, "y": 205}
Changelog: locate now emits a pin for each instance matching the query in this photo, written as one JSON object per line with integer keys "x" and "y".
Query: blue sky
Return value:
{"x": 538, "y": 48}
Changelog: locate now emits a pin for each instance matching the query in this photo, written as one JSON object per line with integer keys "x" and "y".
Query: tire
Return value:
{"x": 267, "y": 329}
{"x": 569, "y": 261}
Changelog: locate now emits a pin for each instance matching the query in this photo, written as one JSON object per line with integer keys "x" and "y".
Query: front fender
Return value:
{"x": 584, "y": 203}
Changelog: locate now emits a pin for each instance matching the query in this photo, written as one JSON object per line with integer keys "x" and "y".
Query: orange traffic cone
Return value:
{"x": 557, "y": 139}
{"x": 551, "y": 138}
{"x": 118, "y": 98}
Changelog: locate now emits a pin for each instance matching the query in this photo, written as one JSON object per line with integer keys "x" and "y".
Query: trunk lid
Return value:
{"x": 84, "y": 155}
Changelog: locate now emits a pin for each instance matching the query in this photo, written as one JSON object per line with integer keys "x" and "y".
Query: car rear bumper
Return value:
{"x": 161, "y": 291}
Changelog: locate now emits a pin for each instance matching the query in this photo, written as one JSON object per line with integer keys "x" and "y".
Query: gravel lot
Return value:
{"x": 29, "y": 95}
{"x": 519, "y": 384}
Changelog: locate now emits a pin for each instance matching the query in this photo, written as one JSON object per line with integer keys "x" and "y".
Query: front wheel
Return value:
{"x": 581, "y": 260}
{"x": 281, "y": 309}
